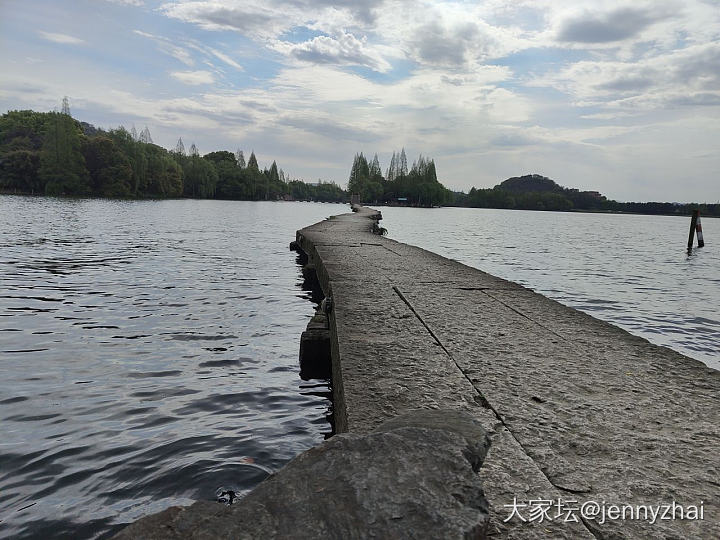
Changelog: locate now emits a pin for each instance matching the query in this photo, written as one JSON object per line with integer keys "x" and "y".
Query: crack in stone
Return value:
{"x": 590, "y": 529}
{"x": 471, "y": 288}
{"x": 553, "y": 332}
{"x": 485, "y": 402}
{"x": 392, "y": 251}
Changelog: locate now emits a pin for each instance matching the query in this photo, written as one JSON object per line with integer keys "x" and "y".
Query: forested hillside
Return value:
{"x": 536, "y": 192}
{"x": 54, "y": 154}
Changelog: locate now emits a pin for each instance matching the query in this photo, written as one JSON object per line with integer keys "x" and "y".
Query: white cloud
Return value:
{"x": 193, "y": 77}
{"x": 608, "y": 26}
{"x": 268, "y": 19}
{"x": 179, "y": 54}
{"x": 181, "y": 51}
{"x": 252, "y": 17}
{"x": 61, "y": 38}
{"x": 342, "y": 49}
{"x": 169, "y": 48}
{"x": 225, "y": 58}
{"x": 687, "y": 76}
{"x": 127, "y": 2}
{"x": 452, "y": 36}
{"x": 611, "y": 115}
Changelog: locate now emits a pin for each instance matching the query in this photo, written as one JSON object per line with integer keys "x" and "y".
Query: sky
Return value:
{"x": 622, "y": 97}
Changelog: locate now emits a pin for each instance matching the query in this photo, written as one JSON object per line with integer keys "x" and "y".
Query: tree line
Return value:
{"x": 417, "y": 186}
{"x": 54, "y": 154}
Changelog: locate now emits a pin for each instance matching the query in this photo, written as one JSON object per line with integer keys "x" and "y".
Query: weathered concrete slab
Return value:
{"x": 577, "y": 409}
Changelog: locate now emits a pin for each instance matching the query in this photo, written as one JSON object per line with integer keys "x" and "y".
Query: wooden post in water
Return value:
{"x": 695, "y": 226}
{"x": 698, "y": 230}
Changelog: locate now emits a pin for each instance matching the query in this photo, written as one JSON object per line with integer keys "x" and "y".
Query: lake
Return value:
{"x": 630, "y": 270}
{"x": 150, "y": 356}
{"x": 150, "y": 349}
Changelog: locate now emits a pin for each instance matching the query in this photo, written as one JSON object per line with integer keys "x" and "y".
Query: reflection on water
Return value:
{"x": 149, "y": 354}
{"x": 632, "y": 271}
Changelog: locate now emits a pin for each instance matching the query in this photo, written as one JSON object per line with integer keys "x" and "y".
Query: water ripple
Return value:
{"x": 149, "y": 357}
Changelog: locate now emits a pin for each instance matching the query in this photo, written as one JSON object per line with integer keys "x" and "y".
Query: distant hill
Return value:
{"x": 542, "y": 189}
{"x": 530, "y": 182}
{"x": 538, "y": 192}
{"x": 536, "y": 183}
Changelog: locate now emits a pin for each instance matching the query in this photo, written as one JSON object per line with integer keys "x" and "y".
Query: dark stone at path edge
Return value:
{"x": 413, "y": 477}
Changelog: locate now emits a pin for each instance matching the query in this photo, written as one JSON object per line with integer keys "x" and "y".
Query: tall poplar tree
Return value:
{"x": 180, "y": 147}
{"x": 375, "y": 170}
{"x": 392, "y": 169}
{"x": 145, "y": 136}
{"x": 403, "y": 166}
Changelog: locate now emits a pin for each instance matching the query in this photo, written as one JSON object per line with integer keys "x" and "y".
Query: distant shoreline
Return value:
{"x": 571, "y": 211}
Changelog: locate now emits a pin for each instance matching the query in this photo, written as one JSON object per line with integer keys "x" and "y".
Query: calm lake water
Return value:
{"x": 149, "y": 350}
{"x": 149, "y": 354}
{"x": 633, "y": 271}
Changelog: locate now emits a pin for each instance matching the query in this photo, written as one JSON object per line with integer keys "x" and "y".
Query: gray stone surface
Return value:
{"x": 576, "y": 408}
{"x": 411, "y": 478}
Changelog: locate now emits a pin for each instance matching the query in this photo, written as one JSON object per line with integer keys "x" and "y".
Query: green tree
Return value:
{"x": 231, "y": 182}
{"x": 200, "y": 176}
{"x": 255, "y": 178}
{"x": 273, "y": 186}
{"x": 137, "y": 154}
{"x": 359, "y": 177}
{"x": 19, "y": 171}
{"x": 111, "y": 174}
{"x": 165, "y": 175}
{"x": 375, "y": 172}
{"x": 403, "y": 166}
{"x": 62, "y": 165}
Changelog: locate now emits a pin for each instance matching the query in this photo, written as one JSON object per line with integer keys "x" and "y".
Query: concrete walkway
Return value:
{"x": 578, "y": 410}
